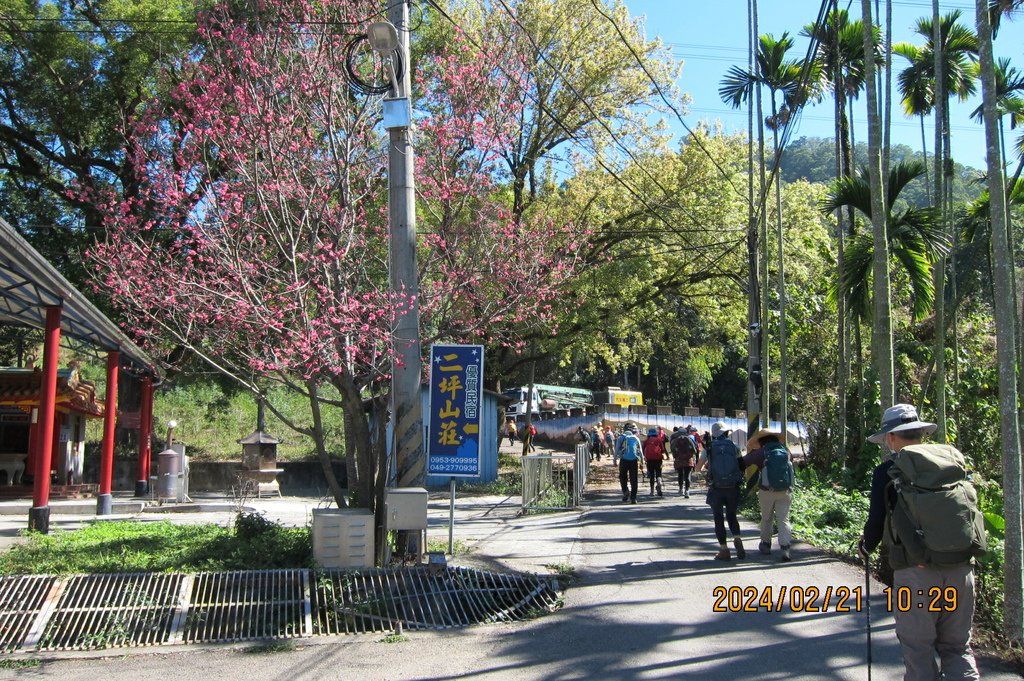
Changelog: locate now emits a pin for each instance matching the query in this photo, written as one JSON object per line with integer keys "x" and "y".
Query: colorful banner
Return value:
{"x": 456, "y": 406}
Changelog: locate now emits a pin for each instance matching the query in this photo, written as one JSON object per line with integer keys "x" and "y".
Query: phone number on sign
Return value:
{"x": 793, "y": 598}
{"x": 454, "y": 468}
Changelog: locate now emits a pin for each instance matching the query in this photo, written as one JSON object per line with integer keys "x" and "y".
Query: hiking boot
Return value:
{"x": 785, "y": 554}
{"x": 632, "y": 500}
{"x": 625, "y": 498}
{"x": 723, "y": 554}
{"x": 680, "y": 491}
{"x": 687, "y": 494}
{"x": 740, "y": 551}
{"x": 765, "y": 547}
{"x": 659, "y": 490}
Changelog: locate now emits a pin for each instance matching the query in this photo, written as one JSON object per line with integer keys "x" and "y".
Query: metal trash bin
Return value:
{"x": 169, "y": 475}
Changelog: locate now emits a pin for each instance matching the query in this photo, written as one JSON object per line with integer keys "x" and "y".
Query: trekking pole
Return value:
{"x": 867, "y": 603}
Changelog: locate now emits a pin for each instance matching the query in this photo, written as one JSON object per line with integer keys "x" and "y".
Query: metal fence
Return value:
{"x": 92, "y": 612}
{"x": 555, "y": 482}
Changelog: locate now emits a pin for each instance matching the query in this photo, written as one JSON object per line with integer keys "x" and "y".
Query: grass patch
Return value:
{"x": 131, "y": 546}
{"x": 394, "y": 638}
{"x": 459, "y": 547}
{"x": 270, "y": 648}
{"x": 28, "y": 663}
{"x": 509, "y": 483}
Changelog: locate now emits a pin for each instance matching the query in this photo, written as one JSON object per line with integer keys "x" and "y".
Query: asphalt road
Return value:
{"x": 642, "y": 607}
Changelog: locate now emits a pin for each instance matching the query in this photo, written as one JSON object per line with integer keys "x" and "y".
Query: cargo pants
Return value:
{"x": 946, "y": 635}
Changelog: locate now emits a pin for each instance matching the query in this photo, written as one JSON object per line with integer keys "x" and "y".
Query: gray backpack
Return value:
{"x": 933, "y": 516}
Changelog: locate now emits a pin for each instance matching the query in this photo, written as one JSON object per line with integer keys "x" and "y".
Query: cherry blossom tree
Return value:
{"x": 257, "y": 236}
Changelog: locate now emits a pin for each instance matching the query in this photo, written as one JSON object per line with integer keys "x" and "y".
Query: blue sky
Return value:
{"x": 711, "y": 36}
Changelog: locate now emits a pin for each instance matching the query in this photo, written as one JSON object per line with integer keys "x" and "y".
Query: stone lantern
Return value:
{"x": 259, "y": 458}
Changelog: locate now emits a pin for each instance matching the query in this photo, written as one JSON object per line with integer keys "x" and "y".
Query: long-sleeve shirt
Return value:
{"x": 875, "y": 525}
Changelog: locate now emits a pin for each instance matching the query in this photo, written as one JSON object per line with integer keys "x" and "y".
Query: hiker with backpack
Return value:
{"x": 683, "y": 444}
{"x": 628, "y": 451}
{"x": 766, "y": 451}
{"x": 654, "y": 455}
{"x": 925, "y": 510}
{"x": 596, "y": 438}
{"x": 725, "y": 476}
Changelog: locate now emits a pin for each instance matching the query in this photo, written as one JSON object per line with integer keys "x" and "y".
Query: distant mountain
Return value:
{"x": 813, "y": 159}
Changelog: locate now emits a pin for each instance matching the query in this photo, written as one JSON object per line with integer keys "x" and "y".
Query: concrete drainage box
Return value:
{"x": 343, "y": 537}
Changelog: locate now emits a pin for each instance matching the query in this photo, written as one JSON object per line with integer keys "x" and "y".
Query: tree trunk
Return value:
{"x": 843, "y": 365}
{"x": 762, "y": 205}
{"x": 317, "y": 432}
{"x": 783, "y": 385}
{"x": 882, "y": 345}
{"x": 1006, "y": 345}
{"x": 754, "y": 406}
{"x": 941, "y": 152}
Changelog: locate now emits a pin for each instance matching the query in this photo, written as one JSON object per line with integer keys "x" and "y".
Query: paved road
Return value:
{"x": 642, "y": 608}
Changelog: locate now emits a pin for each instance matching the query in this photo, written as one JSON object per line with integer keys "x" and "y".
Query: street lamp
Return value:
{"x": 383, "y": 39}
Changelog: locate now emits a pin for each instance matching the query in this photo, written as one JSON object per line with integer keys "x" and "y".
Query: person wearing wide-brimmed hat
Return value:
{"x": 924, "y": 635}
{"x": 774, "y": 503}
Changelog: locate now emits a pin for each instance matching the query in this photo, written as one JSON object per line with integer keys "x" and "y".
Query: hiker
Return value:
{"x": 766, "y": 451}
{"x": 627, "y": 450}
{"x": 595, "y": 443}
{"x": 683, "y": 445}
{"x": 582, "y": 437}
{"x": 609, "y": 444}
{"x": 929, "y": 552}
{"x": 510, "y": 431}
{"x": 528, "y": 435}
{"x": 722, "y": 459}
{"x": 654, "y": 455}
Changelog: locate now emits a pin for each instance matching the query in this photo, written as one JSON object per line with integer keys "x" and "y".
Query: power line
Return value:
{"x": 664, "y": 98}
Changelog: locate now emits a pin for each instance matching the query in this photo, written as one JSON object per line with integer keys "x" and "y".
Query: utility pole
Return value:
{"x": 406, "y": 371}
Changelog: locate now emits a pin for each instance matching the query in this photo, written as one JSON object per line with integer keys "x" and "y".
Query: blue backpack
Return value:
{"x": 724, "y": 464}
{"x": 630, "y": 447}
{"x": 776, "y": 474}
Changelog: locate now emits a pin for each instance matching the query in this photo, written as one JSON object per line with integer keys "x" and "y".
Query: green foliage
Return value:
{"x": 211, "y": 418}
{"x": 26, "y": 663}
{"x": 132, "y": 546}
{"x": 395, "y": 638}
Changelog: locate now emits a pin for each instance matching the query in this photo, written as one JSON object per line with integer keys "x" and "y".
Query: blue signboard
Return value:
{"x": 456, "y": 406}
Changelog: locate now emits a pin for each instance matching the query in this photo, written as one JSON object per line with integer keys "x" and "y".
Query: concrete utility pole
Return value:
{"x": 406, "y": 411}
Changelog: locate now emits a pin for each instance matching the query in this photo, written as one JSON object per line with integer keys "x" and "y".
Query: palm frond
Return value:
{"x": 849, "y": 192}
{"x": 917, "y": 266}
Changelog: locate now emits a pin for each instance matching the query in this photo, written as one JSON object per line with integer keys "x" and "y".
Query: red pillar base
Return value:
{"x": 141, "y": 488}
{"x": 104, "y": 504}
{"x": 39, "y": 519}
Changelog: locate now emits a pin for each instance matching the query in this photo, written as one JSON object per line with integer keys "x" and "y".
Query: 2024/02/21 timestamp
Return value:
{"x": 934, "y": 599}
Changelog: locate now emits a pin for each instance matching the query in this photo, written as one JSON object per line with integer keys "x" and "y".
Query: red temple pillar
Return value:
{"x": 39, "y": 515}
{"x": 145, "y": 432}
{"x": 104, "y": 502}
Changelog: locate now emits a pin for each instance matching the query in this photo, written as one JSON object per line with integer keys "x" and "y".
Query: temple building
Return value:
{"x": 44, "y": 408}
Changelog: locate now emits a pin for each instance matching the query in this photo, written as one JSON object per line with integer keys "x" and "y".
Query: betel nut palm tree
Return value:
{"x": 915, "y": 240}
{"x": 790, "y": 84}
